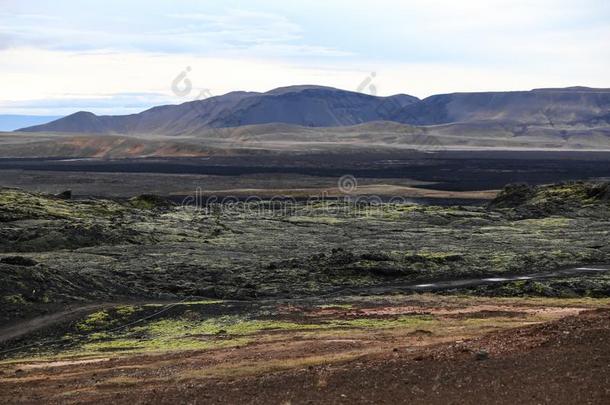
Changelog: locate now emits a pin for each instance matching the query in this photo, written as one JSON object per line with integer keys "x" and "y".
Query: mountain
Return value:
{"x": 567, "y": 106}
{"x": 317, "y": 106}
{"x": 10, "y": 122}
{"x": 309, "y": 106}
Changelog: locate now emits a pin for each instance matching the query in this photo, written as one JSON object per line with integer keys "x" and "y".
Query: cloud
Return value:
{"x": 241, "y": 26}
{"x": 55, "y": 50}
{"x": 119, "y": 103}
{"x": 236, "y": 32}
{"x": 52, "y": 82}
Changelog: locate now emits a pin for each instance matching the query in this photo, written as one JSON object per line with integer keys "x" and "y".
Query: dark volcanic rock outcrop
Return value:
{"x": 567, "y": 198}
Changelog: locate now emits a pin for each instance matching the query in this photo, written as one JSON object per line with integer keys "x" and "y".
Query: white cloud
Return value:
{"x": 95, "y": 80}
{"x": 104, "y": 104}
{"x": 53, "y": 51}
{"x": 242, "y": 26}
{"x": 234, "y": 32}
{"x": 31, "y": 75}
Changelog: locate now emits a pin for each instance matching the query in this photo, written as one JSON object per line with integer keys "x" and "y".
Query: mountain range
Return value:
{"x": 317, "y": 106}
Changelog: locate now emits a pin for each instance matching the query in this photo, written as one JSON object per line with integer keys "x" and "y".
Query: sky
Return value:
{"x": 119, "y": 57}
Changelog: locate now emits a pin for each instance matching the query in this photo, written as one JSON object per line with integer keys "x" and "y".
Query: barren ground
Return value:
{"x": 416, "y": 349}
{"x": 141, "y": 301}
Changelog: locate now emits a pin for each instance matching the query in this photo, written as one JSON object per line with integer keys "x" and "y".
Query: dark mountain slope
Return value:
{"x": 573, "y": 105}
{"x": 167, "y": 119}
{"x": 317, "y": 106}
{"x": 312, "y": 106}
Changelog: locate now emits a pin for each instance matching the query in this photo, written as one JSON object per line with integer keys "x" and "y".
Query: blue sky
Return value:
{"x": 123, "y": 56}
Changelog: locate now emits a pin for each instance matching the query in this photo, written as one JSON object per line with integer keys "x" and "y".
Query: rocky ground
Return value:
{"x": 141, "y": 300}
{"x": 415, "y": 349}
{"x": 55, "y": 252}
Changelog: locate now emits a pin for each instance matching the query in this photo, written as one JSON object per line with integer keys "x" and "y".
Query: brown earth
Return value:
{"x": 563, "y": 361}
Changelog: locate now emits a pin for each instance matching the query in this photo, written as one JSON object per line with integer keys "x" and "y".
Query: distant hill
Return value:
{"x": 309, "y": 106}
{"x": 376, "y": 137}
{"x": 568, "y": 106}
{"x": 11, "y": 122}
{"x": 316, "y": 106}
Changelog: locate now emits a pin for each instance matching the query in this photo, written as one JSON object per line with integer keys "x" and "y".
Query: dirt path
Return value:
{"x": 28, "y": 326}
{"x": 34, "y": 324}
{"x": 23, "y": 328}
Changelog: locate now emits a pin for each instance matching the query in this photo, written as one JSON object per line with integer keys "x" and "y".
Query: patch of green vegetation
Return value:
{"x": 157, "y": 345}
{"x": 96, "y": 320}
{"x": 567, "y": 198}
{"x": 180, "y": 333}
{"x": 548, "y": 222}
{"x": 538, "y": 288}
{"x": 382, "y": 323}
{"x": 16, "y": 204}
{"x": 107, "y": 319}
{"x": 15, "y": 299}
{"x": 225, "y": 331}
{"x": 575, "y": 191}
{"x": 501, "y": 260}
{"x": 125, "y": 310}
{"x": 225, "y": 325}
{"x": 99, "y": 250}
{"x": 149, "y": 202}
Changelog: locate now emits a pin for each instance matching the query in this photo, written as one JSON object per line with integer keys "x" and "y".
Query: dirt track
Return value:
{"x": 25, "y": 327}
{"x": 566, "y": 361}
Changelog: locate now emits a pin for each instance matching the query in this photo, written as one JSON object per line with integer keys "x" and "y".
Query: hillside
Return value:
{"x": 309, "y": 106}
{"x": 285, "y": 138}
{"x": 316, "y": 106}
{"x": 569, "y": 106}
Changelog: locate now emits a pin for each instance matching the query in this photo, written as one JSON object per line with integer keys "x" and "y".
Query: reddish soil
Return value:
{"x": 561, "y": 362}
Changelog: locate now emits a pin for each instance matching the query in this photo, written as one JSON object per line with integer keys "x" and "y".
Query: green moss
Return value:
{"x": 125, "y": 310}
{"x": 225, "y": 331}
{"x": 15, "y": 299}
{"x": 149, "y": 202}
{"x": 159, "y": 344}
{"x": 16, "y": 204}
{"x": 538, "y": 287}
{"x": 548, "y": 222}
{"x": 95, "y": 321}
{"x": 501, "y": 260}
{"x": 375, "y": 323}
{"x": 230, "y": 325}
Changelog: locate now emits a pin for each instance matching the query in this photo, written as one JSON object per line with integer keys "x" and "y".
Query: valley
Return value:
{"x": 442, "y": 251}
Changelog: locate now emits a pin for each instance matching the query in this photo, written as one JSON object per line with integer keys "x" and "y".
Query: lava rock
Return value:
{"x": 19, "y": 261}
{"x": 481, "y": 355}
